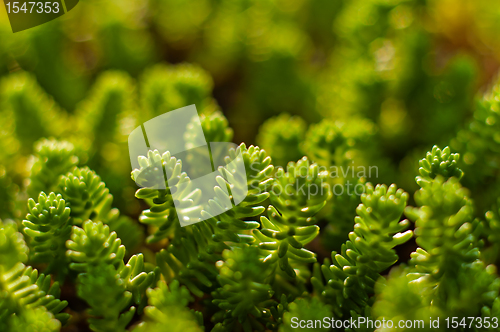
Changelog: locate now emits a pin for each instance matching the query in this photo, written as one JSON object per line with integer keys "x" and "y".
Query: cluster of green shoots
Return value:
{"x": 293, "y": 248}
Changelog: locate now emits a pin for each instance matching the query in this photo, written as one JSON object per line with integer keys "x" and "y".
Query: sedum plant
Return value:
{"x": 110, "y": 105}
{"x": 305, "y": 309}
{"x": 294, "y": 247}
{"x": 48, "y": 227}
{"x": 87, "y": 195}
{"x": 250, "y": 268}
{"x": 51, "y": 160}
{"x": 289, "y": 224}
{"x": 244, "y": 289}
{"x": 168, "y": 307}
{"x": 29, "y": 111}
{"x": 108, "y": 285}
{"x": 348, "y": 280}
{"x": 281, "y": 137}
{"x": 231, "y": 225}
{"x": 437, "y": 281}
{"x": 161, "y": 216}
{"x": 27, "y": 298}
{"x": 491, "y": 234}
{"x": 165, "y": 88}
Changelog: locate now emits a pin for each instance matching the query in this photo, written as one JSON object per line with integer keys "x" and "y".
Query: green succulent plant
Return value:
{"x": 168, "y": 307}
{"x": 437, "y": 279}
{"x": 232, "y": 225}
{"x": 296, "y": 196}
{"x": 26, "y": 297}
{"x": 491, "y": 233}
{"x": 370, "y": 83}
{"x": 437, "y": 162}
{"x": 165, "y": 88}
{"x": 309, "y": 310}
{"x": 48, "y": 226}
{"x": 161, "y": 215}
{"x": 108, "y": 284}
{"x": 29, "y": 111}
{"x": 281, "y": 138}
{"x": 244, "y": 289}
{"x": 350, "y": 277}
{"x": 86, "y": 195}
{"x": 51, "y": 160}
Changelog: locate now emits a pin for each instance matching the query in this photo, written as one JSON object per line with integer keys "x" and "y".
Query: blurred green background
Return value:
{"x": 393, "y": 78}
{"x": 373, "y": 83}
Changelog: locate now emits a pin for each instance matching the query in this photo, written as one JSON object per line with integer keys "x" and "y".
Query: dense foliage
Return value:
{"x": 373, "y": 172}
